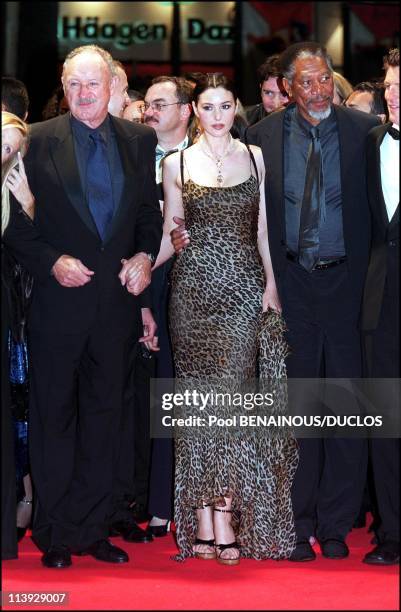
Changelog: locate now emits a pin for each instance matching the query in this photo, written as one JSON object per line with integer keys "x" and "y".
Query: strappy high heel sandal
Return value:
{"x": 220, "y": 548}
{"x": 204, "y": 555}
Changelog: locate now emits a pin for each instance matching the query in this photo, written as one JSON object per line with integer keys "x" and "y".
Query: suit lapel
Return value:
{"x": 128, "y": 148}
{"x": 62, "y": 152}
{"x": 396, "y": 217}
{"x": 349, "y": 152}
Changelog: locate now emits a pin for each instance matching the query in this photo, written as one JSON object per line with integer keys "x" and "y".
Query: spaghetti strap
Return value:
{"x": 182, "y": 167}
{"x": 253, "y": 161}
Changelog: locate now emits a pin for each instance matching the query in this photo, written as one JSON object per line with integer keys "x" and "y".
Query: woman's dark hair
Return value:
{"x": 239, "y": 127}
{"x": 212, "y": 80}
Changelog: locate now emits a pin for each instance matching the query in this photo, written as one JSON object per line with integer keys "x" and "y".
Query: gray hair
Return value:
{"x": 105, "y": 55}
{"x": 301, "y": 51}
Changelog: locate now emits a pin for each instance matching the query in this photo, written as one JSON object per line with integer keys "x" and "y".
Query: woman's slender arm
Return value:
{"x": 270, "y": 295}
{"x": 173, "y": 206}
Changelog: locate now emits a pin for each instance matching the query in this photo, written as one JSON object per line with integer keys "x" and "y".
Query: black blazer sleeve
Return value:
{"x": 26, "y": 244}
{"x": 149, "y": 223}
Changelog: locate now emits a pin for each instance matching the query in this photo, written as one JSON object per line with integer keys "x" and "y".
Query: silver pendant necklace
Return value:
{"x": 218, "y": 159}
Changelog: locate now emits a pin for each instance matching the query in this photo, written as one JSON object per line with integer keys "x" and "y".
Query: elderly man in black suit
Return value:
{"x": 319, "y": 233}
{"x": 381, "y": 308}
{"x": 92, "y": 176}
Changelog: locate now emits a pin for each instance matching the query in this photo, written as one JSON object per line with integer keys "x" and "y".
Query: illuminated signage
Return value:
{"x": 126, "y": 34}
{"x": 143, "y": 29}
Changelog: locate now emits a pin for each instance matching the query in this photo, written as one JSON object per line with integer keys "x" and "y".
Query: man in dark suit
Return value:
{"x": 319, "y": 232}
{"x": 92, "y": 176}
{"x": 381, "y": 309}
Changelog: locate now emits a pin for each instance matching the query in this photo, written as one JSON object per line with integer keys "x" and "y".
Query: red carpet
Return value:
{"x": 151, "y": 581}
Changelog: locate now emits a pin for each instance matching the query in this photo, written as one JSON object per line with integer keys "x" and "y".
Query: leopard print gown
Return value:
{"x": 217, "y": 330}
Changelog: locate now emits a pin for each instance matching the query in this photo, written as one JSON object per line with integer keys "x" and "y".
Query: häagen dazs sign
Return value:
{"x": 142, "y": 30}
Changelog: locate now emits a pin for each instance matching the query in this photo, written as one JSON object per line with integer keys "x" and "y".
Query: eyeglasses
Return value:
{"x": 156, "y": 106}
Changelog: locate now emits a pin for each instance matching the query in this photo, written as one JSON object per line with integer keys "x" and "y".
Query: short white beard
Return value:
{"x": 320, "y": 115}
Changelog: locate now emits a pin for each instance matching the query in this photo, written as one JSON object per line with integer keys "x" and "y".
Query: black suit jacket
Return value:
{"x": 353, "y": 128}
{"x": 384, "y": 263}
{"x": 64, "y": 222}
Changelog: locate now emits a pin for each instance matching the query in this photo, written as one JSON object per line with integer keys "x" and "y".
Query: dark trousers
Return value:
{"x": 321, "y": 313}
{"x": 162, "y": 459}
{"x": 144, "y": 370}
{"x": 77, "y": 384}
{"x": 382, "y": 360}
{"x": 124, "y": 480}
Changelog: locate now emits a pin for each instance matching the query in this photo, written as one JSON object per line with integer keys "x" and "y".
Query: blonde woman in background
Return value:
{"x": 16, "y": 285}
{"x": 342, "y": 88}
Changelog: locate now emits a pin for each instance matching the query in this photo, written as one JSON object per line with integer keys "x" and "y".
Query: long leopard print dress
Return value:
{"x": 219, "y": 333}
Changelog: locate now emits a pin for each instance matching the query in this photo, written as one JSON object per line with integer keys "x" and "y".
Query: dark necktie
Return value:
{"x": 312, "y": 205}
{"x": 394, "y": 133}
{"x": 98, "y": 181}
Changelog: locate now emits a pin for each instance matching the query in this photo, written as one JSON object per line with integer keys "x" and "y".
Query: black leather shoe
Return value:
{"x": 159, "y": 531}
{"x": 303, "y": 552}
{"x": 384, "y": 554}
{"x": 131, "y": 532}
{"x": 334, "y": 549}
{"x": 103, "y": 550}
{"x": 57, "y": 556}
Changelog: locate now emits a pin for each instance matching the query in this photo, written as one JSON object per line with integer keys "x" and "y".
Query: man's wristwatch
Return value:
{"x": 151, "y": 258}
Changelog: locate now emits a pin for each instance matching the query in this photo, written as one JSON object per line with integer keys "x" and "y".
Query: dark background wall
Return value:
{"x": 37, "y": 52}
{"x": 29, "y": 37}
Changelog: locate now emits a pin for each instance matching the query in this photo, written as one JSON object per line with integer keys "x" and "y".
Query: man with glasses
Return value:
{"x": 167, "y": 110}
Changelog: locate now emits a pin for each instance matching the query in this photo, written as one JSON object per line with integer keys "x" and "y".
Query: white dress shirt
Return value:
{"x": 389, "y": 168}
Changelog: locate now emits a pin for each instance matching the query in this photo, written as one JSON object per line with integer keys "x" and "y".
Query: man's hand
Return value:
{"x": 71, "y": 272}
{"x": 136, "y": 273}
{"x": 179, "y": 235}
{"x": 149, "y": 330}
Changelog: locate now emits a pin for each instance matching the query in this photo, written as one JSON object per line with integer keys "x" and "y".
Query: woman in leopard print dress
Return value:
{"x": 232, "y": 490}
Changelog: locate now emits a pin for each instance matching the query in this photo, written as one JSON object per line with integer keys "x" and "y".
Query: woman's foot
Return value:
{"x": 226, "y": 546}
{"x": 204, "y": 544}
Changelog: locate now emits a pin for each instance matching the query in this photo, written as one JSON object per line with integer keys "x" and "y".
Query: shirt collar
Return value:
{"x": 305, "y": 126}
{"x": 160, "y": 152}
{"x": 82, "y": 131}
